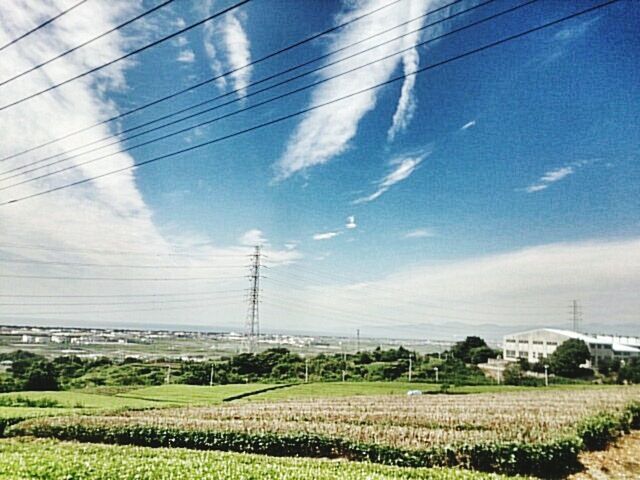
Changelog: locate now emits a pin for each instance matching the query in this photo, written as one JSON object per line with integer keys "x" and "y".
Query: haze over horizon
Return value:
{"x": 491, "y": 190}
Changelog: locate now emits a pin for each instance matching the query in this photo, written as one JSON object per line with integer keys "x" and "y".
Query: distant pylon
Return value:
{"x": 252, "y": 326}
{"x": 575, "y": 315}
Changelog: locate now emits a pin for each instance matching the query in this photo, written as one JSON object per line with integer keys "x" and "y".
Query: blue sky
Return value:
{"x": 559, "y": 98}
{"x": 529, "y": 145}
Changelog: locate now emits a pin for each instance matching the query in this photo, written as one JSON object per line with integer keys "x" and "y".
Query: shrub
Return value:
{"x": 599, "y": 431}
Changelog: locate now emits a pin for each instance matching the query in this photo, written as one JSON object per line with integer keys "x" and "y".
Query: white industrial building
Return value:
{"x": 535, "y": 345}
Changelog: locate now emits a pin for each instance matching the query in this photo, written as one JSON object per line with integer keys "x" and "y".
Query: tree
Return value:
{"x": 568, "y": 357}
{"x": 482, "y": 354}
{"x": 41, "y": 376}
{"x": 462, "y": 350}
{"x": 630, "y": 372}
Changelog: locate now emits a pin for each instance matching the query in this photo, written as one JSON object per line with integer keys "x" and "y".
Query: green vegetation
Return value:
{"x": 30, "y": 371}
{"x": 193, "y": 394}
{"x": 339, "y": 389}
{"x": 64, "y": 460}
{"x": 75, "y": 400}
{"x": 481, "y": 432}
{"x": 567, "y": 358}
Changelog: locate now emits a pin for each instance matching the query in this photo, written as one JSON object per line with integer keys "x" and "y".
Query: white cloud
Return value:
{"x": 407, "y": 102}
{"x": 351, "y": 222}
{"x": 253, "y": 237}
{"x": 181, "y": 41}
{"x": 467, "y": 125}
{"x": 106, "y": 221}
{"x": 525, "y": 287}
{"x": 419, "y": 233}
{"x": 403, "y": 168}
{"x": 326, "y": 235}
{"x": 550, "y": 177}
{"x": 228, "y": 47}
{"x": 186, "y": 56}
{"x": 325, "y": 133}
{"x": 575, "y": 30}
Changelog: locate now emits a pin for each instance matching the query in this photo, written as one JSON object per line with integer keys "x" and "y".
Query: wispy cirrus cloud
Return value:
{"x": 419, "y": 233}
{"x": 325, "y": 133}
{"x": 227, "y": 45}
{"x": 107, "y": 222}
{"x": 407, "y": 102}
{"x": 468, "y": 125}
{"x": 550, "y": 177}
{"x": 186, "y": 56}
{"x": 403, "y": 167}
{"x": 326, "y": 235}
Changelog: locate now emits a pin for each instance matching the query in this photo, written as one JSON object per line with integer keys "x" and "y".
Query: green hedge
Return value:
{"x": 600, "y": 430}
{"x": 549, "y": 459}
{"x": 555, "y": 458}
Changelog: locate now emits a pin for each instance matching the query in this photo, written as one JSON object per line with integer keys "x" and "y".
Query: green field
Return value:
{"x": 351, "y": 389}
{"x": 45, "y": 459}
{"x": 78, "y": 399}
{"x": 192, "y": 394}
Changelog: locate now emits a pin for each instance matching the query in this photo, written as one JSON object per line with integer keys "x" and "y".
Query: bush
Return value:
{"x": 550, "y": 458}
{"x": 599, "y": 431}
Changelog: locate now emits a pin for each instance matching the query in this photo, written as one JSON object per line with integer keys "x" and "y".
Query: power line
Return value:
{"x": 313, "y": 107}
{"x": 42, "y": 25}
{"x": 84, "y": 44}
{"x": 111, "y": 62}
{"x": 452, "y": 315}
{"x": 101, "y": 311}
{"x": 325, "y": 277}
{"x": 121, "y": 252}
{"x": 126, "y": 279}
{"x": 226, "y": 94}
{"x": 95, "y": 304}
{"x": 207, "y": 81}
{"x": 256, "y": 105}
{"x": 78, "y": 264}
{"x": 126, "y": 295}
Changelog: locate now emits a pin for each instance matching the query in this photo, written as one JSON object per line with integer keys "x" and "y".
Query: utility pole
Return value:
{"x": 410, "y": 367}
{"x": 211, "y": 376}
{"x": 358, "y": 340}
{"x": 252, "y": 326}
{"x": 306, "y": 370}
{"x": 575, "y": 315}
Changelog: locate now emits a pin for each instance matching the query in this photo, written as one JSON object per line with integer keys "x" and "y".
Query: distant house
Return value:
{"x": 34, "y": 339}
{"x": 536, "y": 345}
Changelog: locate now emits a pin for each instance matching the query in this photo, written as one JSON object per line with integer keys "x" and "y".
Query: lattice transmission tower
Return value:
{"x": 252, "y": 325}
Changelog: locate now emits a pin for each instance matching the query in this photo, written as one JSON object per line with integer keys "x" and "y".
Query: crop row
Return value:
{"x": 21, "y": 458}
{"x": 398, "y": 421}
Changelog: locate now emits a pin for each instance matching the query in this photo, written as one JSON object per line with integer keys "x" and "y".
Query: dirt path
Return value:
{"x": 621, "y": 461}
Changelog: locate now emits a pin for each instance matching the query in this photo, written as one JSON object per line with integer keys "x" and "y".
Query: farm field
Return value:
{"x": 397, "y": 421}
{"x": 78, "y": 399}
{"x": 351, "y": 389}
{"x": 192, "y": 394}
{"x": 23, "y": 458}
{"x": 509, "y": 431}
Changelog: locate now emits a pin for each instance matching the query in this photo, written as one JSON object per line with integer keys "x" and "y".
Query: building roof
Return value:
{"x": 617, "y": 343}
{"x": 618, "y": 347}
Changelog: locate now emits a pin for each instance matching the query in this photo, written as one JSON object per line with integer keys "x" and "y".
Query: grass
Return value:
{"x": 352, "y": 389}
{"x": 28, "y": 458}
{"x": 193, "y": 394}
{"x": 76, "y": 399}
